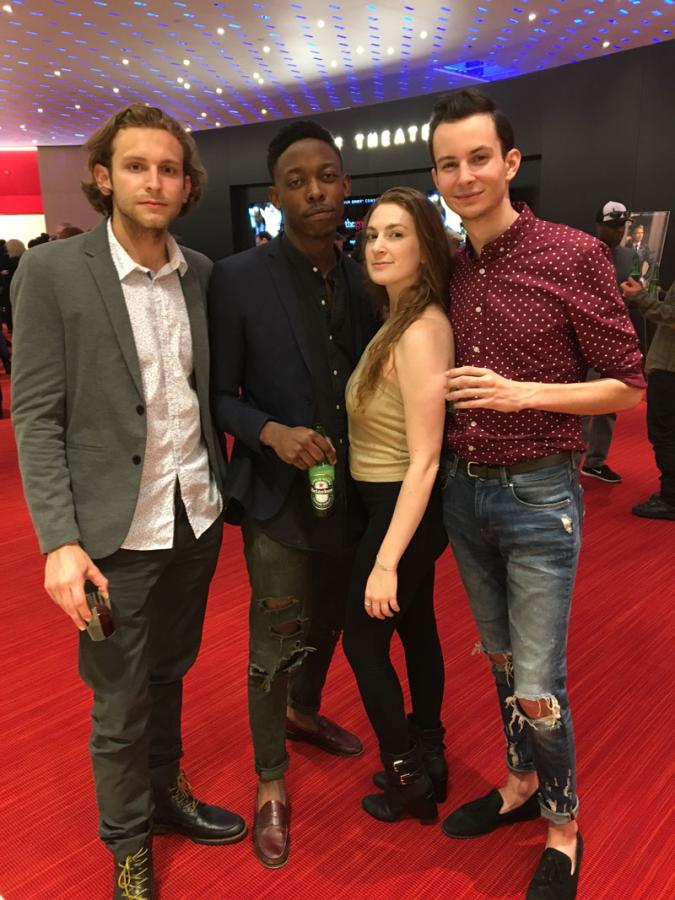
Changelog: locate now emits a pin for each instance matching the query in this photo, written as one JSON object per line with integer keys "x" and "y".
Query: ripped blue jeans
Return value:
{"x": 516, "y": 540}
{"x": 298, "y": 601}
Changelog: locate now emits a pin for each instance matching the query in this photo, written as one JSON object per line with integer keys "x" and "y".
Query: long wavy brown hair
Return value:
{"x": 432, "y": 284}
{"x": 100, "y": 148}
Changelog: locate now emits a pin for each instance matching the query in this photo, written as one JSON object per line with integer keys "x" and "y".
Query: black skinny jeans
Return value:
{"x": 367, "y": 640}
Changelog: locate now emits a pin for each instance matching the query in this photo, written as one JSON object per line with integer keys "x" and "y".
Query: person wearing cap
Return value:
{"x": 610, "y": 226}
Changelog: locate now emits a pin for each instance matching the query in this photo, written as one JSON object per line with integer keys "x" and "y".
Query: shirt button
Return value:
{"x": 140, "y": 409}
{"x": 136, "y": 460}
{"x": 330, "y": 337}
{"x": 340, "y": 441}
{"x": 334, "y": 371}
{"x": 481, "y": 271}
{"x": 337, "y": 406}
{"x": 476, "y": 349}
{"x": 479, "y": 309}
{"x": 323, "y": 302}
{"x": 314, "y": 269}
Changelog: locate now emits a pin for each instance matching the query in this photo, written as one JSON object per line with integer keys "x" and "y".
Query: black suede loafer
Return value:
{"x": 482, "y": 816}
{"x": 177, "y": 811}
{"x": 554, "y": 879}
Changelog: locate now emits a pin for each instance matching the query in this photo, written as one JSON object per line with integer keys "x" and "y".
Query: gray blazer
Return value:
{"x": 77, "y": 396}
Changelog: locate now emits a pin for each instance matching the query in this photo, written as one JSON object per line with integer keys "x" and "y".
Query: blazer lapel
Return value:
{"x": 287, "y": 296}
{"x": 104, "y": 273}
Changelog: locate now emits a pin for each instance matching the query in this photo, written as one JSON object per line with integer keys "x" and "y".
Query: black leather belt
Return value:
{"x": 478, "y": 470}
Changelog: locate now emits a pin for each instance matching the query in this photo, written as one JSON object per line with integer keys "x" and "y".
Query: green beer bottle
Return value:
{"x": 322, "y": 483}
{"x": 655, "y": 282}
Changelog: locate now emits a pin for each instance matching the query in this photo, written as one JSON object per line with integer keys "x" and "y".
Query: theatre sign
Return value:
{"x": 388, "y": 138}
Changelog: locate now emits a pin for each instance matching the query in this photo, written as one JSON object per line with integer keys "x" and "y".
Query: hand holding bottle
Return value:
{"x": 300, "y": 447}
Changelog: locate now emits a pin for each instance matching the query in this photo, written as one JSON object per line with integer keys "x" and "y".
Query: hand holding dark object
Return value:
{"x": 101, "y": 624}
{"x": 66, "y": 570}
{"x": 300, "y": 447}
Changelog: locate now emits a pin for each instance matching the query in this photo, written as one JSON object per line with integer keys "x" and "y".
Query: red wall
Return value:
{"x": 20, "y": 192}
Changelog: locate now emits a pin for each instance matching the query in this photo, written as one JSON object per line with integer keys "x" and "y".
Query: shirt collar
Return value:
{"x": 298, "y": 258}
{"x": 125, "y": 265}
{"x": 509, "y": 239}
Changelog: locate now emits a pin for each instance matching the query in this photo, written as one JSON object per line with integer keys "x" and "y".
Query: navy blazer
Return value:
{"x": 261, "y": 366}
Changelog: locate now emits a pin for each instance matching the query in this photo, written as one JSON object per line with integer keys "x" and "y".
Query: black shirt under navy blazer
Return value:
{"x": 264, "y": 368}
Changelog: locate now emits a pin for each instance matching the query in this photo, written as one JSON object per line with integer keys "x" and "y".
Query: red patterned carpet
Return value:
{"x": 621, "y": 675}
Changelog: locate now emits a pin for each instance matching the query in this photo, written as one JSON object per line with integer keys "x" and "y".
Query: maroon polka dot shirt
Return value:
{"x": 541, "y": 303}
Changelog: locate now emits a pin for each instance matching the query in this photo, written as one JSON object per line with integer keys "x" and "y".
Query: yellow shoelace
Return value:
{"x": 182, "y": 793}
{"x": 133, "y": 877}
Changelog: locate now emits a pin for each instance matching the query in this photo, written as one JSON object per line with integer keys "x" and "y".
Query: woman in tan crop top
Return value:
{"x": 396, "y": 407}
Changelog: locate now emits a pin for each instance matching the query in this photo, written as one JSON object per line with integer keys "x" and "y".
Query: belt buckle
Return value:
{"x": 468, "y": 469}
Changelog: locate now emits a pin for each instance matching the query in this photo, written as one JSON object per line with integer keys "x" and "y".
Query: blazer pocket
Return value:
{"x": 75, "y": 445}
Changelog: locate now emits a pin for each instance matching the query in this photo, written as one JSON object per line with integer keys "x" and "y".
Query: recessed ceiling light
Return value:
{"x": 605, "y": 44}
{"x": 116, "y": 90}
{"x": 320, "y": 23}
{"x": 390, "y": 51}
{"x": 266, "y": 49}
{"x": 23, "y": 127}
{"x": 179, "y": 79}
{"x": 34, "y": 141}
{"x": 57, "y": 72}
{"x": 203, "y": 115}
{"x": 219, "y": 90}
{"x": 221, "y": 31}
{"x": 186, "y": 85}
{"x": 77, "y": 106}
{"x": 125, "y": 62}
{"x": 333, "y": 64}
{"x": 186, "y": 62}
{"x": 532, "y": 17}
{"x": 256, "y": 75}
{"x": 217, "y": 124}
{"x": 359, "y": 49}
{"x": 188, "y": 128}
{"x": 7, "y": 8}
{"x": 261, "y": 81}
{"x": 40, "y": 109}
{"x": 424, "y": 35}
{"x": 263, "y": 111}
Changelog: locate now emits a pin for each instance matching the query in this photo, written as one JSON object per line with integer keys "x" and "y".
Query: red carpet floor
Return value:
{"x": 621, "y": 676}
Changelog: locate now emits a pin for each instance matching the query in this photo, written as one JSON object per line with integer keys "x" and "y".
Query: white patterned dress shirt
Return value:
{"x": 174, "y": 449}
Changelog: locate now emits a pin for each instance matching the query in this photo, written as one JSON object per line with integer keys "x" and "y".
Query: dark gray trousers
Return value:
{"x": 158, "y": 600}
{"x": 282, "y": 668}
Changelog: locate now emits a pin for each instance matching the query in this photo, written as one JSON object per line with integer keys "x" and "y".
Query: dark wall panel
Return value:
{"x": 604, "y": 129}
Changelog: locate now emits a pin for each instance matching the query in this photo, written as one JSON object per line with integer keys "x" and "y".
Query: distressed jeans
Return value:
{"x": 516, "y": 540}
{"x": 290, "y": 648}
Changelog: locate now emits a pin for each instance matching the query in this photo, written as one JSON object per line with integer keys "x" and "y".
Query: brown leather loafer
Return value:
{"x": 272, "y": 833}
{"x": 329, "y": 736}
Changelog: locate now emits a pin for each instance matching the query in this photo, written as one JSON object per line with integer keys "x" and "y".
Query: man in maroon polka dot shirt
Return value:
{"x": 533, "y": 306}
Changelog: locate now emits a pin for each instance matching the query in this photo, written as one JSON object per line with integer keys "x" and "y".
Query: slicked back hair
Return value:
{"x": 294, "y": 132}
{"x": 457, "y": 105}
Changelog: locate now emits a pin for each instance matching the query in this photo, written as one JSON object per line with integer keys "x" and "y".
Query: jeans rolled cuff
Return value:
{"x": 556, "y": 817}
{"x": 274, "y": 773}
{"x": 301, "y": 708}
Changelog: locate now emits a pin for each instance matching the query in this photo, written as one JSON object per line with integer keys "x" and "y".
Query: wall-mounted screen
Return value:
{"x": 265, "y": 216}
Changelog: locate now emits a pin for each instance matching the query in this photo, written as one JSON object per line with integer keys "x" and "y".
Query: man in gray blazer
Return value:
{"x": 122, "y": 470}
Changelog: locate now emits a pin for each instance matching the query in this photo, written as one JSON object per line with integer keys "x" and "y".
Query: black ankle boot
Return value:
{"x": 133, "y": 875}
{"x": 430, "y": 741}
{"x": 408, "y": 790}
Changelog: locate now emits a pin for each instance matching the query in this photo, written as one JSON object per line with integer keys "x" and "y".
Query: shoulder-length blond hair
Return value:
{"x": 138, "y": 115}
{"x": 431, "y": 286}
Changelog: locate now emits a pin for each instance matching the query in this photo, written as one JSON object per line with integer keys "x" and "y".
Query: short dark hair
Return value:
{"x": 138, "y": 115}
{"x": 297, "y": 131}
{"x": 457, "y": 105}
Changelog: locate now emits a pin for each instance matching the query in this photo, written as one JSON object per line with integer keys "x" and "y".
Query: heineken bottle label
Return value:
{"x": 321, "y": 486}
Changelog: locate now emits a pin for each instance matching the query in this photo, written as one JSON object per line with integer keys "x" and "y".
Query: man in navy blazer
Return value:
{"x": 288, "y": 322}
